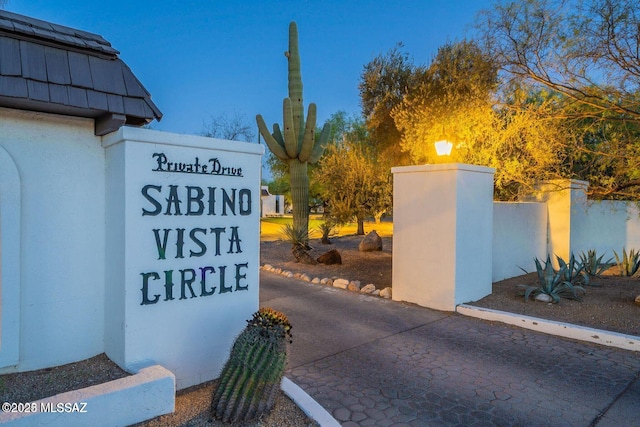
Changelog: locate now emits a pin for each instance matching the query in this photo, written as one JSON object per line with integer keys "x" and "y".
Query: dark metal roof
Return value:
{"x": 55, "y": 69}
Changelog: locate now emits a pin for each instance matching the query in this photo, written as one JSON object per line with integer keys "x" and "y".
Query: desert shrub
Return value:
{"x": 294, "y": 235}
{"x": 328, "y": 228}
{"x": 628, "y": 263}
{"x": 592, "y": 263}
{"x": 552, "y": 283}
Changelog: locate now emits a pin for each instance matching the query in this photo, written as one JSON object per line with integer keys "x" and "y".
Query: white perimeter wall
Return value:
{"x": 61, "y": 167}
{"x": 521, "y": 231}
{"x": 519, "y": 236}
{"x": 606, "y": 226}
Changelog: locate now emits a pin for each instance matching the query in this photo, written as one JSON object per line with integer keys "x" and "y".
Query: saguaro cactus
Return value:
{"x": 297, "y": 146}
{"x": 252, "y": 375}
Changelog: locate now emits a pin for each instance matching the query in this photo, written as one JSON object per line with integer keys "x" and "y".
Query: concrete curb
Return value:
{"x": 567, "y": 330}
{"x": 307, "y": 404}
{"x": 148, "y": 393}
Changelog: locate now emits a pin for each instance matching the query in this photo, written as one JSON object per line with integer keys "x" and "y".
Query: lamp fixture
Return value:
{"x": 443, "y": 147}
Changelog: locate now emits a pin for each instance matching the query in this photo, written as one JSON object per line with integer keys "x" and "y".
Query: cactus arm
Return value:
{"x": 290, "y": 140}
{"x": 277, "y": 134}
{"x": 321, "y": 144}
{"x": 309, "y": 134}
{"x": 277, "y": 149}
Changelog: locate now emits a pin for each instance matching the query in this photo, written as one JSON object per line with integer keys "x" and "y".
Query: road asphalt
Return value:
{"x": 376, "y": 362}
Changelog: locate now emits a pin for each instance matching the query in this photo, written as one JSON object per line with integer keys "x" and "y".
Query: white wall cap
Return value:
{"x": 127, "y": 133}
{"x": 443, "y": 167}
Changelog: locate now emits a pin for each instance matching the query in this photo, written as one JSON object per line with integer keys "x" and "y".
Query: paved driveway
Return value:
{"x": 371, "y": 361}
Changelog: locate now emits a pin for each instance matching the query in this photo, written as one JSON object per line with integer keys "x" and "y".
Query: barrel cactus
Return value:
{"x": 297, "y": 145}
{"x": 251, "y": 377}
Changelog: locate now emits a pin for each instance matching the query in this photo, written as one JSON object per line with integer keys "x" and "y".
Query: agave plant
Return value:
{"x": 628, "y": 264}
{"x": 552, "y": 283}
{"x": 592, "y": 263}
{"x": 573, "y": 270}
{"x": 299, "y": 238}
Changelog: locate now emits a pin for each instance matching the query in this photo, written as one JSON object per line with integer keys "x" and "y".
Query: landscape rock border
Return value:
{"x": 336, "y": 282}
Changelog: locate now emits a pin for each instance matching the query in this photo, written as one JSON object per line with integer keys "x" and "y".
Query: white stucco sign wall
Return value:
{"x": 182, "y": 249}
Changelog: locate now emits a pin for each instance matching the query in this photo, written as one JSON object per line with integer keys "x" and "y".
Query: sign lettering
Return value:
{"x": 170, "y": 283}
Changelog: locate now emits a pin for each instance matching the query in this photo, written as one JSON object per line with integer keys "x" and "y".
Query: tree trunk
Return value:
{"x": 378, "y": 216}
{"x": 360, "y": 231}
{"x": 299, "y": 183}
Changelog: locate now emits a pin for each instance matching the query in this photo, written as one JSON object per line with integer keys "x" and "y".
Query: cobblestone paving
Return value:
{"x": 459, "y": 371}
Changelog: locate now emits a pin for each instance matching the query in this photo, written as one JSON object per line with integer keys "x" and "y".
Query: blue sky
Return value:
{"x": 202, "y": 58}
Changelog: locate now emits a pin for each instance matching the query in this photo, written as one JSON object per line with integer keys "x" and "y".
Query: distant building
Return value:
{"x": 271, "y": 204}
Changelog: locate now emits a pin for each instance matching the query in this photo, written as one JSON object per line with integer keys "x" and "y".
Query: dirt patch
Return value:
{"x": 193, "y": 410}
{"x": 367, "y": 267}
{"x": 30, "y": 386}
{"x": 609, "y": 306}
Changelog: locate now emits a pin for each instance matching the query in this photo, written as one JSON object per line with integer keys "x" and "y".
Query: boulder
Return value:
{"x": 638, "y": 300}
{"x": 544, "y": 298}
{"x": 386, "y": 292}
{"x": 370, "y": 243}
{"x": 354, "y": 286}
{"x": 341, "y": 283}
{"x": 330, "y": 257}
{"x": 367, "y": 289}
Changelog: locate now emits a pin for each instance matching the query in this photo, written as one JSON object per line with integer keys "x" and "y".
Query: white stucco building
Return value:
{"x": 114, "y": 239}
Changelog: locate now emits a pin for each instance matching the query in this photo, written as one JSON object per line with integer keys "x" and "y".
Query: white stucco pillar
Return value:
{"x": 183, "y": 249}
{"x": 442, "y": 234}
{"x": 566, "y": 201}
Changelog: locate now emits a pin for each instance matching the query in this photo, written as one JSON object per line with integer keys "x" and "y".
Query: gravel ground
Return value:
{"x": 31, "y": 386}
{"x": 192, "y": 404}
{"x": 192, "y": 409}
{"x": 367, "y": 267}
{"x": 609, "y": 305}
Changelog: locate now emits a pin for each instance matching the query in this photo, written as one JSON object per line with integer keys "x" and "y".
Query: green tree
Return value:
{"x": 356, "y": 184}
{"x": 384, "y": 83}
{"x": 456, "y": 101}
{"x": 452, "y": 101}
